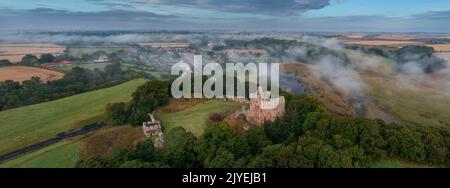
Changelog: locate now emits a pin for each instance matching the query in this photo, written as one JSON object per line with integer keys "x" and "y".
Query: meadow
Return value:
{"x": 194, "y": 119}
{"x": 30, "y": 124}
{"x": 416, "y": 106}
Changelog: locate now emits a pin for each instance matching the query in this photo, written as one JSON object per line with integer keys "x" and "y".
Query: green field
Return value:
{"x": 125, "y": 66}
{"x": 88, "y": 50}
{"x": 90, "y": 66}
{"x": 194, "y": 119}
{"x": 417, "y": 107}
{"x": 60, "y": 155}
{"x": 27, "y": 125}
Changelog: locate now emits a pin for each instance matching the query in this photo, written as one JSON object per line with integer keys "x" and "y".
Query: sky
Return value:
{"x": 431, "y": 16}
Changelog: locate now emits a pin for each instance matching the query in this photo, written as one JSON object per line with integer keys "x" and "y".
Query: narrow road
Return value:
{"x": 40, "y": 145}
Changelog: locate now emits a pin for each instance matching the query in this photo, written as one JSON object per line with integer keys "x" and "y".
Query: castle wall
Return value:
{"x": 258, "y": 115}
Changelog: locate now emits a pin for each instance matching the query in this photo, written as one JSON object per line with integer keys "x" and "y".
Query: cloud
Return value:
{"x": 114, "y": 13}
{"x": 52, "y": 19}
{"x": 434, "y": 15}
{"x": 267, "y": 7}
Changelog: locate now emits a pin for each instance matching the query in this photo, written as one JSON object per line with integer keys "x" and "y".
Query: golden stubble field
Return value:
{"x": 441, "y": 47}
{"x": 15, "y": 52}
{"x": 21, "y": 73}
{"x": 394, "y": 41}
{"x": 381, "y": 42}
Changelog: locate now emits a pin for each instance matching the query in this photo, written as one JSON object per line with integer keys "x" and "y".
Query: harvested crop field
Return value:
{"x": 21, "y": 73}
{"x": 441, "y": 47}
{"x": 15, "y": 52}
{"x": 381, "y": 42}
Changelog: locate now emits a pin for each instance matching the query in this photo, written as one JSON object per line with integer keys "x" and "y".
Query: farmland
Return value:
{"x": 30, "y": 124}
{"x": 90, "y": 66}
{"x": 382, "y": 42}
{"x": 441, "y": 47}
{"x": 60, "y": 155}
{"x": 15, "y": 52}
{"x": 125, "y": 66}
{"x": 194, "y": 119}
{"x": 21, "y": 73}
{"x": 79, "y": 51}
{"x": 66, "y": 153}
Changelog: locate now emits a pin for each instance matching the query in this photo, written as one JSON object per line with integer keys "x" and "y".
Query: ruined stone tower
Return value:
{"x": 264, "y": 109}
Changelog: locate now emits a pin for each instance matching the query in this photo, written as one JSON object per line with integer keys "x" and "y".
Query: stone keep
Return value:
{"x": 264, "y": 109}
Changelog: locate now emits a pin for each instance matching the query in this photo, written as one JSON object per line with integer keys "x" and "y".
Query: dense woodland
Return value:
{"x": 307, "y": 136}
{"x": 15, "y": 94}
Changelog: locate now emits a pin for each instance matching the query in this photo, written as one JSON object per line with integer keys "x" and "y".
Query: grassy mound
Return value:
{"x": 194, "y": 118}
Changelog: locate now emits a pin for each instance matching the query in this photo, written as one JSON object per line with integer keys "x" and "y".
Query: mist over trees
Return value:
{"x": 408, "y": 57}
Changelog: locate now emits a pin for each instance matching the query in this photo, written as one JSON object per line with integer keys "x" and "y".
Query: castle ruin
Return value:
{"x": 262, "y": 108}
{"x": 153, "y": 128}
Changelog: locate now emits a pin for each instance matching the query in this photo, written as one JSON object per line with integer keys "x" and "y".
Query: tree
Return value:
{"x": 46, "y": 58}
{"x": 276, "y": 131}
{"x": 146, "y": 151}
{"x": 116, "y": 114}
{"x": 147, "y": 98}
{"x": 29, "y": 60}
{"x": 113, "y": 69}
{"x": 256, "y": 140}
{"x": 5, "y": 62}
{"x": 223, "y": 159}
{"x": 435, "y": 150}
{"x": 217, "y": 135}
{"x": 405, "y": 143}
{"x": 178, "y": 149}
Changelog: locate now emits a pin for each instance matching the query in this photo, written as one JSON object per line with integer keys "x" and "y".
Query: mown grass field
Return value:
{"x": 194, "y": 119}
{"x": 60, "y": 155}
{"x": 27, "y": 125}
{"x": 65, "y": 154}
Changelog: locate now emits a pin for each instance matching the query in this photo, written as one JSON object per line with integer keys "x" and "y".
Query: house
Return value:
{"x": 153, "y": 128}
{"x": 101, "y": 58}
